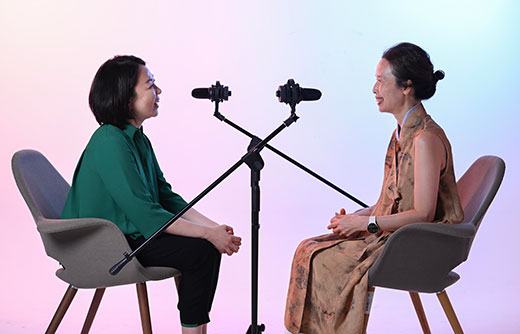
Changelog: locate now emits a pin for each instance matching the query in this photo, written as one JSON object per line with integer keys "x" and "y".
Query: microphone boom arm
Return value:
{"x": 222, "y": 118}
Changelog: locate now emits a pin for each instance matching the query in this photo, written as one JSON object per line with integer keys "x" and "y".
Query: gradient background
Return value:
{"x": 52, "y": 49}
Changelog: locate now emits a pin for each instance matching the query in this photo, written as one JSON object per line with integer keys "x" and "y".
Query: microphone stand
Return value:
{"x": 256, "y": 163}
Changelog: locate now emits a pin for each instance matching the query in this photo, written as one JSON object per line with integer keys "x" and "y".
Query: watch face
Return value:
{"x": 372, "y": 228}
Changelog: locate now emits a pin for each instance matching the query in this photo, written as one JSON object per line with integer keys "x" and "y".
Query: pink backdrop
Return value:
{"x": 51, "y": 50}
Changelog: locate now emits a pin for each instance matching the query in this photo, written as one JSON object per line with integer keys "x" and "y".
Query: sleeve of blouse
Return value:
{"x": 170, "y": 200}
{"x": 117, "y": 168}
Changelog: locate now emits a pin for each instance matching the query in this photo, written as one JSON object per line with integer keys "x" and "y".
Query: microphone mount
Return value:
{"x": 219, "y": 93}
{"x": 291, "y": 93}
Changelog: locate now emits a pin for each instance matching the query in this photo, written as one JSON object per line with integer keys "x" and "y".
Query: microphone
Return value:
{"x": 216, "y": 93}
{"x": 291, "y": 93}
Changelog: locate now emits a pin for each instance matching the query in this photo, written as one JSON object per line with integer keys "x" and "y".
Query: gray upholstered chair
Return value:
{"x": 419, "y": 257}
{"x": 85, "y": 248}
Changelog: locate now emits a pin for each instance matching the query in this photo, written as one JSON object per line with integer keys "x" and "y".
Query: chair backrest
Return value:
{"x": 42, "y": 186}
{"x": 420, "y": 257}
{"x": 86, "y": 253}
{"x": 478, "y": 186}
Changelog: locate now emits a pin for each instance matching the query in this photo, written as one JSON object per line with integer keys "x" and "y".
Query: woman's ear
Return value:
{"x": 408, "y": 88}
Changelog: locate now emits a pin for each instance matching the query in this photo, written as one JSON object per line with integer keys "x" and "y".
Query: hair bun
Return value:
{"x": 438, "y": 75}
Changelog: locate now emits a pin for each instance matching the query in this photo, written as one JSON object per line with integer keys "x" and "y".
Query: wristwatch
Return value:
{"x": 372, "y": 226}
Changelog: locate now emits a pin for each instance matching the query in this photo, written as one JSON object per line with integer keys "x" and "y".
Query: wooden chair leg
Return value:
{"x": 62, "y": 308}
{"x": 416, "y": 300}
{"x": 92, "y": 310}
{"x": 370, "y": 297}
{"x": 144, "y": 308}
{"x": 450, "y": 313}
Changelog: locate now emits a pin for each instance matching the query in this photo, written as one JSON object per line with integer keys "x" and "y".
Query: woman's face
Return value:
{"x": 145, "y": 102}
{"x": 389, "y": 96}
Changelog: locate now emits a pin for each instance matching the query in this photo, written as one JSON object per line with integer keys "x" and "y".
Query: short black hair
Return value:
{"x": 112, "y": 89}
{"x": 410, "y": 62}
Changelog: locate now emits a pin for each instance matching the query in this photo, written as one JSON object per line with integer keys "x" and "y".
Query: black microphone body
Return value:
{"x": 291, "y": 93}
{"x": 216, "y": 93}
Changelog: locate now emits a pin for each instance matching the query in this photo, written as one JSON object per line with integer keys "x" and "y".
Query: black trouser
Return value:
{"x": 198, "y": 261}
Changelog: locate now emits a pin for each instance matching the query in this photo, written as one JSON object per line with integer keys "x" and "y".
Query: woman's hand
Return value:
{"x": 224, "y": 240}
{"x": 348, "y": 225}
{"x": 338, "y": 216}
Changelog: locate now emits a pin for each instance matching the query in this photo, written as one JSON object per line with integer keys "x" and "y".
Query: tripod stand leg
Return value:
{"x": 259, "y": 329}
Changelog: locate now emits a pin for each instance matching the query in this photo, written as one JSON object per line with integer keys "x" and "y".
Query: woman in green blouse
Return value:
{"x": 118, "y": 178}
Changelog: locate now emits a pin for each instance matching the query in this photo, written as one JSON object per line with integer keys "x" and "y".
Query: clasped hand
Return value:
{"x": 348, "y": 225}
{"x": 224, "y": 240}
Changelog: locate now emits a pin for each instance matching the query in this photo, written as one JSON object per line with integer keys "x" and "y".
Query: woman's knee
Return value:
{"x": 204, "y": 250}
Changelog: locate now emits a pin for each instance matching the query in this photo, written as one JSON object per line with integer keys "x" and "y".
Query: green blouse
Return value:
{"x": 118, "y": 178}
